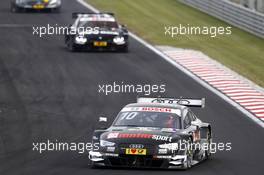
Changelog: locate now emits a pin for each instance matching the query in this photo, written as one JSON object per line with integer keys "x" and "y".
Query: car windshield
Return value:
{"x": 148, "y": 119}
{"x": 100, "y": 24}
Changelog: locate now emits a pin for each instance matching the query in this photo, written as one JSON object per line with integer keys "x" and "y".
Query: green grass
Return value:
{"x": 241, "y": 51}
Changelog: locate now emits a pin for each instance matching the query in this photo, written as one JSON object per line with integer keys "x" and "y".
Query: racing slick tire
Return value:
{"x": 124, "y": 49}
{"x": 14, "y": 8}
{"x": 92, "y": 165}
{"x": 209, "y": 141}
{"x": 56, "y": 10}
{"x": 71, "y": 46}
{"x": 189, "y": 154}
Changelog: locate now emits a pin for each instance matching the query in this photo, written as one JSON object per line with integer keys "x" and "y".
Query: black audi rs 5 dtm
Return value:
{"x": 96, "y": 31}
{"x": 153, "y": 133}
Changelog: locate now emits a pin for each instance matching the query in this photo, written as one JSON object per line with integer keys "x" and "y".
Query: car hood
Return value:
{"x": 141, "y": 135}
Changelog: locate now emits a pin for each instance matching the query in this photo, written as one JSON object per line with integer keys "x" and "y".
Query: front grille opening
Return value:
{"x": 135, "y": 161}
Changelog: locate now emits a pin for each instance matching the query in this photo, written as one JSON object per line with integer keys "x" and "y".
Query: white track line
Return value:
{"x": 232, "y": 86}
{"x": 257, "y": 110}
{"x": 180, "y": 67}
{"x": 235, "y": 88}
{"x": 190, "y": 66}
{"x": 260, "y": 115}
{"x": 240, "y": 90}
{"x": 247, "y": 97}
{"x": 220, "y": 78}
{"x": 224, "y": 83}
{"x": 250, "y": 100}
{"x": 252, "y": 103}
{"x": 255, "y": 107}
{"x": 216, "y": 73}
{"x": 240, "y": 94}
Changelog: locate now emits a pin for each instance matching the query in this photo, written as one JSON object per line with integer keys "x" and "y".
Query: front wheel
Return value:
{"x": 71, "y": 46}
{"x": 189, "y": 155}
{"x": 124, "y": 49}
{"x": 92, "y": 165}
{"x": 56, "y": 10}
{"x": 14, "y": 8}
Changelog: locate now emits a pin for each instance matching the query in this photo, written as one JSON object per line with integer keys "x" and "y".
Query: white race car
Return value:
{"x": 23, "y": 5}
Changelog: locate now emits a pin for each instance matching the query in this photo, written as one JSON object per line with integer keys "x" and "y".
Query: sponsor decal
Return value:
{"x": 162, "y": 151}
{"x": 168, "y": 130}
{"x": 110, "y": 149}
{"x": 163, "y": 157}
{"x": 152, "y": 109}
{"x": 139, "y": 146}
{"x": 110, "y": 154}
{"x": 160, "y": 137}
{"x": 113, "y": 135}
{"x": 141, "y": 128}
{"x": 144, "y": 136}
{"x": 134, "y": 151}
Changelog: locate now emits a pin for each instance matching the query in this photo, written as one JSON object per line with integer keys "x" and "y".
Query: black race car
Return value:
{"x": 96, "y": 31}
{"x": 23, "y": 5}
{"x": 153, "y": 133}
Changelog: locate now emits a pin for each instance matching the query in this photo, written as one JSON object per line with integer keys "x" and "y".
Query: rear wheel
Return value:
{"x": 209, "y": 141}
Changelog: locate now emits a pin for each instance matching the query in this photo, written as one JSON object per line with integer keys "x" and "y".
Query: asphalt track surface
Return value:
{"x": 48, "y": 93}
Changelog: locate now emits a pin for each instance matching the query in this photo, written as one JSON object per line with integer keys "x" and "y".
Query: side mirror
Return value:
{"x": 102, "y": 119}
{"x": 102, "y": 122}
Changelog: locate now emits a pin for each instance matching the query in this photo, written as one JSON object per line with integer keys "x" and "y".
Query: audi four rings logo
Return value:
{"x": 137, "y": 146}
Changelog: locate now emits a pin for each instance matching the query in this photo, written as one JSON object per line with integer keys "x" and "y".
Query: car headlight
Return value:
{"x": 80, "y": 39}
{"x": 170, "y": 146}
{"x": 119, "y": 40}
{"x": 104, "y": 143}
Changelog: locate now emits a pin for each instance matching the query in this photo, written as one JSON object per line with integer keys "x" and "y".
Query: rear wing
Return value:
{"x": 77, "y": 14}
{"x": 180, "y": 101}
